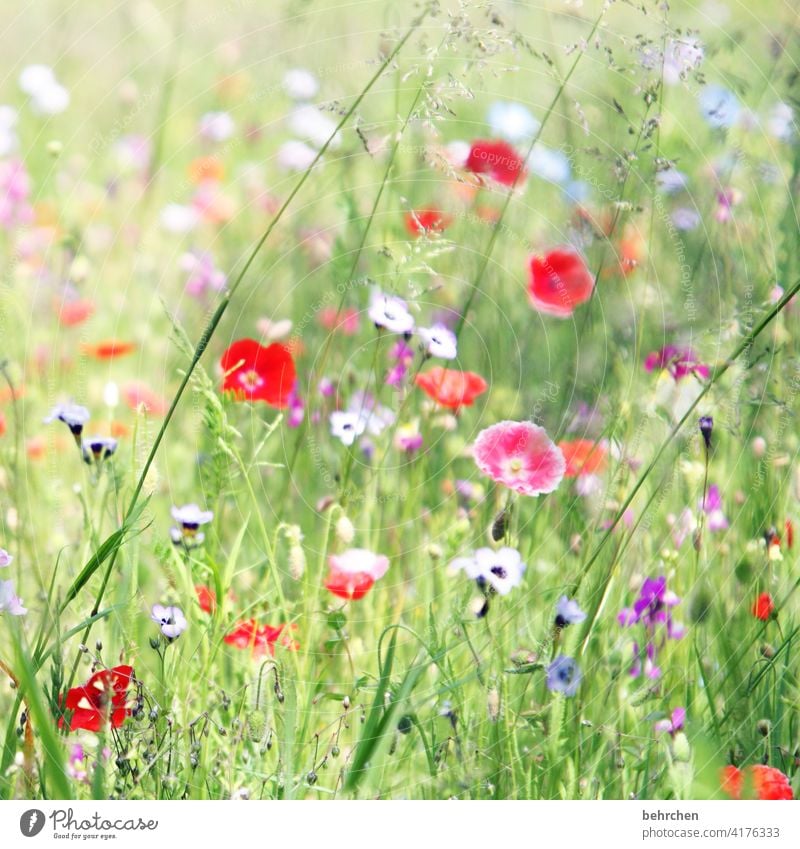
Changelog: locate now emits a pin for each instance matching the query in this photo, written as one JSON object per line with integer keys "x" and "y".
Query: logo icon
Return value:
{"x": 31, "y": 822}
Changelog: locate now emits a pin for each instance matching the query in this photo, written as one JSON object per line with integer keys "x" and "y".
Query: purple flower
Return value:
{"x": 563, "y": 676}
{"x": 5, "y": 558}
{"x": 202, "y": 275}
{"x": 712, "y": 507}
{"x": 652, "y": 609}
{"x": 401, "y": 356}
{"x": 10, "y": 602}
{"x": 296, "y": 408}
{"x": 674, "y": 724}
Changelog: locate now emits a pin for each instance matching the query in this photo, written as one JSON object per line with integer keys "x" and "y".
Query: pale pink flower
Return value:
{"x": 521, "y": 456}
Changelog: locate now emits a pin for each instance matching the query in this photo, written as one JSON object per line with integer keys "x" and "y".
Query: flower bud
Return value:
{"x": 345, "y": 532}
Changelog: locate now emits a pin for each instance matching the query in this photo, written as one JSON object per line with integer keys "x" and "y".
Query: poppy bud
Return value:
{"x": 764, "y": 726}
{"x": 706, "y": 428}
{"x": 680, "y": 747}
{"x": 493, "y": 704}
{"x": 405, "y": 725}
{"x": 256, "y": 725}
{"x": 345, "y": 532}
{"x": 499, "y": 526}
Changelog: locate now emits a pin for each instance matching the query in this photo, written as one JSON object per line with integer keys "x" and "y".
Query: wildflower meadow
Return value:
{"x": 399, "y": 401}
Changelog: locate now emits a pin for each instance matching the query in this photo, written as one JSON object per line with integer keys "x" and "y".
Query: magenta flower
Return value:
{"x": 674, "y": 724}
{"x": 712, "y": 507}
{"x": 679, "y": 362}
{"x": 521, "y": 456}
{"x": 15, "y": 211}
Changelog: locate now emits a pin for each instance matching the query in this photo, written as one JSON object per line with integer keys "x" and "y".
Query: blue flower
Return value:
{"x": 720, "y": 106}
{"x": 563, "y": 676}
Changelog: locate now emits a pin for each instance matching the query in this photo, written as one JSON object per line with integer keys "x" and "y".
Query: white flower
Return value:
{"x": 314, "y": 126}
{"x": 10, "y": 602}
{"x": 111, "y": 394}
{"x": 346, "y": 425}
{"x": 73, "y": 415}
{"x": 512, "y": 121}
{"x": 8, "y": 135}
{"x": 300, "y": 84}
{"x": 36, "y": 78}
{"x": 780, "y": 121}
{"x": 216, "y": 126}
{"x": 549, "y": 164}
{"x": 171, "y": 619}
{"x": 457, "y": 153}
{"x": 190, "y": 515}
{"x": 502, "y": 569}
{"x": 178, "y": 219}
{"x": 52, "y": 100}
{"x": 295, "y": 156}
{"x": 390, "y": 312}
{"x": 680, "y": 58}
{"x": 439, "y": 341}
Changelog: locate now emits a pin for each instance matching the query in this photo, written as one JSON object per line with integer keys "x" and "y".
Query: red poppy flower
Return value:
{"x": 348, "y": 585}
{"x": 559, "y": 282}
{"x": 102, "y": 699}
{"x": 496, "y": 158}
{"x": 260, "y": 638}
{"x": 789, "y": 533}
{"x": 427, "y": 221}
{"x": 583, "y": 456}
{"x": 766, "y": 782}
{"x": 256, "y": 373}
{"x": 763, "y": 607}
{"x": 2, "y": 424}
{"x": 73, "y": 313}
{"x": 108, "y": 349}
{"x": 206, "y": 597}
{"x": 451, "y": 388}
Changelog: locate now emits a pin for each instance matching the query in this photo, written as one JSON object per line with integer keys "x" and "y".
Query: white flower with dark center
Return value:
{"x": 568, "y": 612}
{"x": 171, "y": 619}
{"x": 190, "y": 517}
{"x": 73, "y": 415}
{"x": 501, "y": 569}
{"x": 346, "y": 425}
{"x": 98, "y": 448}
{"x": 390, "y": 313}
{"x": 439, "y": 341}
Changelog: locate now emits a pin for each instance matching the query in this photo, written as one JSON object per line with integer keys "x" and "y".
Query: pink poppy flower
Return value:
{"x": 521, "y": 456}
